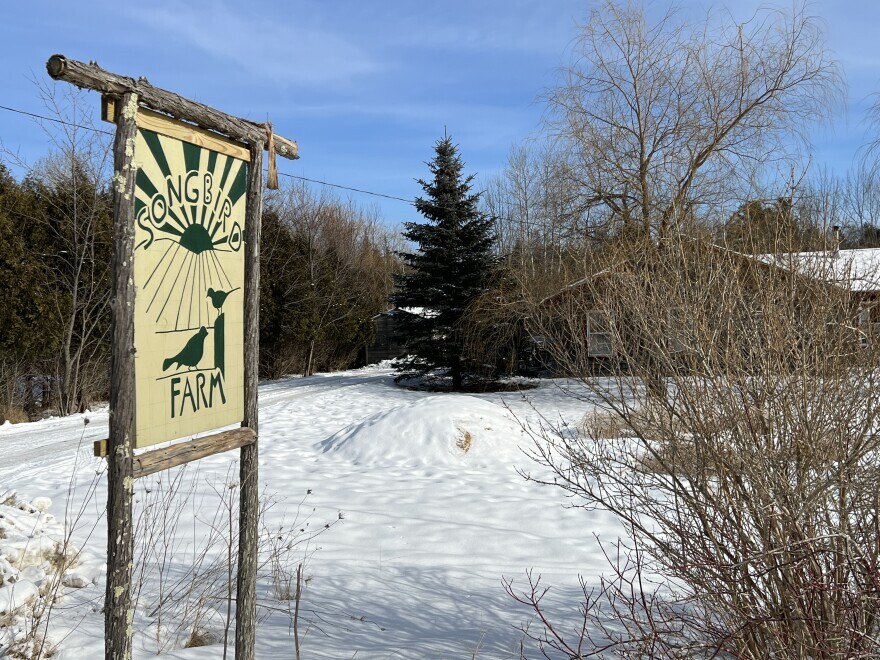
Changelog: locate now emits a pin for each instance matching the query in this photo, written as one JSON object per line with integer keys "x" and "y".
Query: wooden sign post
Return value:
{"x": 187, "y": 201}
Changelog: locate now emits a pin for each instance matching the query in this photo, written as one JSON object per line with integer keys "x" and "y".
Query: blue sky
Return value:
{"x": 366, "y": 87}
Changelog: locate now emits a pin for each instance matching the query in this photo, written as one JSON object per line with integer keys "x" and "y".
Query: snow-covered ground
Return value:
{"x": 427, "y": 515}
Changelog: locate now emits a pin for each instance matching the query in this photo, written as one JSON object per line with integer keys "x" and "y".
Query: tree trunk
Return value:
{"x": 310, "y": 356}
{"x": 64, "y": 390}
{"x": 456, "y": 374}
{"x": 249, "y": 503}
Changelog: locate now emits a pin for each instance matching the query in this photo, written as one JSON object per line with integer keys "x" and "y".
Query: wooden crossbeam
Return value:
{"x": 157, "y": 460}
{"x": 91, "y": 76}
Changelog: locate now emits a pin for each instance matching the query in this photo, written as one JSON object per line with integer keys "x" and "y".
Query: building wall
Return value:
{"x": 385, "y": 346}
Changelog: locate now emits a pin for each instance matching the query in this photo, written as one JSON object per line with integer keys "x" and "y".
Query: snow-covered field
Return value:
{"x": 426, "y": 511}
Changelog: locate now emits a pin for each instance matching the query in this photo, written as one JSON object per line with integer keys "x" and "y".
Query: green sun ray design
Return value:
{"x": 155, "y": 144}
{"x": 186, "y": 196}
{"x": 215, "y": 227}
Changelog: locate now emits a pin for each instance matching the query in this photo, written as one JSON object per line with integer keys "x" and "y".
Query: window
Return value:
{"x": 869, "y": 329}
{"x": 598, "y": 335}
{"x": 676, "y": 331}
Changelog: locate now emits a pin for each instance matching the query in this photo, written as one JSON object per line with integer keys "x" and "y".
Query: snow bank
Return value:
{"x": 36, "y": 561}
{"x": 16, "y": 596}
{"x": 443, "y": 430}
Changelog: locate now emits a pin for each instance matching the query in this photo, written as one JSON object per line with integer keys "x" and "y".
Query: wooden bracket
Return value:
{"x": 108, "y": 108}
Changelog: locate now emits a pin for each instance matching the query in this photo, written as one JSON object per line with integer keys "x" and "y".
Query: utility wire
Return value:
{"x": 358, "y": 190}
{"x": 55, "y": 119}
{"x": 291, "y": 176}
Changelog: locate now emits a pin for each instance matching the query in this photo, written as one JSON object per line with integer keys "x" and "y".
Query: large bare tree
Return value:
{"x": 658, "y": 116}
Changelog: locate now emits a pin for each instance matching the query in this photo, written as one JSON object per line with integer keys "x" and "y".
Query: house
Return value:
{"x": 595, "y": 322}
{"x": 387, "y": 344}
{"x": 856, "y": 271}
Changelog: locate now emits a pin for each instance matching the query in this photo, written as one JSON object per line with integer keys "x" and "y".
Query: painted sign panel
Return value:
{"x": 189, "y": 277}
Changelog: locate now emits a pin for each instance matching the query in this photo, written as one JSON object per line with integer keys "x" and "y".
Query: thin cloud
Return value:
{"x": 503, "y": 28}
{"x": 260, "y": 47}
{"x": 488, "y": 123}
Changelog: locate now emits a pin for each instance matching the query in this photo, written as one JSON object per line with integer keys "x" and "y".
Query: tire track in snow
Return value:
{"x": 43, "y": 442}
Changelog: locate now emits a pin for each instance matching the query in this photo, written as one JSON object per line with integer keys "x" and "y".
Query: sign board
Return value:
{"x": 189, "y": 270}
{"x": 184, "y": 353}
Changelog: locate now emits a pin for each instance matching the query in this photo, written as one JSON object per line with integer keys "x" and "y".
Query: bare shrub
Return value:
{"x": 746, "y": 478}
{"x": 327, "y": 268}
{"x": 605, "y": 425}
{"x": 14, "y": 414}
{"x": 56, "y": 562}
{"x": 193, "y": 575}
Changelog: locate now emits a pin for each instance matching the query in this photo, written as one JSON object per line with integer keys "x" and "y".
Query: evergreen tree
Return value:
{"x": 759, "y": 227}
{"x": 448, "y": 270}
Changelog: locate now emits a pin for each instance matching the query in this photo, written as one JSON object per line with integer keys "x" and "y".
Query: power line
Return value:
{"x": 291, "y": 176}
{"x": 55, "y": 119}
{"x": 358, "y": 190}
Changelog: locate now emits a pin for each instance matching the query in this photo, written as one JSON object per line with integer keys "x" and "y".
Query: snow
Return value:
{"x": 17, "y": 595}
{"x": 420, "y": 311}
{"x": 426, "y": 508}
{"x": 856, "y": 270}
{"x": 448, "y": 431}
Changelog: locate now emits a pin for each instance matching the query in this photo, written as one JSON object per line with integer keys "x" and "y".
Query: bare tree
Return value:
{"x": 659, "y": 117}
{"x": 870, "y": 155}
{"x": 329, "y": 271}
{"x": 851, "y": 202}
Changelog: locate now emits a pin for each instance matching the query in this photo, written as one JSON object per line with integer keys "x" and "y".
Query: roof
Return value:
{"x": 574, "y": 285}
{"x": 855, "y": 270}
{"x": 852, "y": 270}
{"x": 414, "y": 311}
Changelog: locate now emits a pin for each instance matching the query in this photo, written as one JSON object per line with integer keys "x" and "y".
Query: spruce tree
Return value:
{"x": 447, "y": 271}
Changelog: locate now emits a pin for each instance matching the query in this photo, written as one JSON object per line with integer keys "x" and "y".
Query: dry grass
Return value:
{"x": 14, "y": 414}
{"x": 604, "y": 425}
{"x": 37, "y": 648}
{"x": 464, "y": 442}
{"x": 202, "y": 637}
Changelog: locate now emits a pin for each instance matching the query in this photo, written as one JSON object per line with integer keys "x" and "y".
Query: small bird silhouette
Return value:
{"x": 219, "y": 297}
{"x": 191, "y": 353}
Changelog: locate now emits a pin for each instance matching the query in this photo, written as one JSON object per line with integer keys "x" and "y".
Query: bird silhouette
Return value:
{"x": 219, "y": 297}
{"x": 191, "y": 353}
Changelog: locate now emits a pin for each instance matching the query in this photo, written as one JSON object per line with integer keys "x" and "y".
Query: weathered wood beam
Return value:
{"x": 91, "y": 76}
{"x": 161, "y": 459}
{"x": 249, "y": 490}
{"x": 120, "y": 483}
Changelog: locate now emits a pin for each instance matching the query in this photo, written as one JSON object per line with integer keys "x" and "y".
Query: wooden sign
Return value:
{"x": 189, "y": 280}
{"x": 187, "y": 205}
